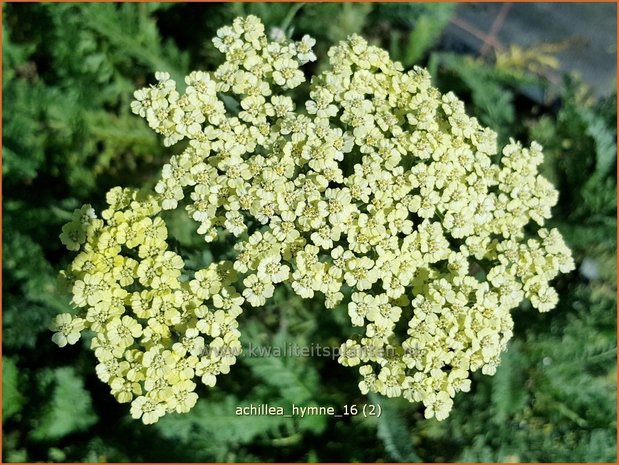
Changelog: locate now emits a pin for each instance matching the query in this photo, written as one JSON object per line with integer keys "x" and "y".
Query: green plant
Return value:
{"x": 562, "y": 411}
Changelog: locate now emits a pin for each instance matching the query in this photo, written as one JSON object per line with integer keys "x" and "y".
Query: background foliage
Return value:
{"x": 69, "y": 71}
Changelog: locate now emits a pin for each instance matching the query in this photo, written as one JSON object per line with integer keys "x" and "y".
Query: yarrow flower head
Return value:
{"x": 380, "y": 193}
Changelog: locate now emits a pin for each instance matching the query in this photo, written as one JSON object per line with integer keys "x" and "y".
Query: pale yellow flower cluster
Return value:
{"x": 153, "y": 330}
{"x": 382, "y": 193}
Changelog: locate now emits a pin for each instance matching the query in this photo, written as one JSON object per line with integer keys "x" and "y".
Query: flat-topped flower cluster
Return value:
{"x": 379, "y": 192}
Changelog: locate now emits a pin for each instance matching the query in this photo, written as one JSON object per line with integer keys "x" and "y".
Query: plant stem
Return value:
{"x": 290, "y": 16}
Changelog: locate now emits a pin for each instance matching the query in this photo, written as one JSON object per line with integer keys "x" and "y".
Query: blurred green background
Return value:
{"x": 69, "y": 71}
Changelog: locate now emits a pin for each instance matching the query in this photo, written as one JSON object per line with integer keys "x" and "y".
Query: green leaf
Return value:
{"x": 313, "y": 423}
{"x": 296, "y": 382}
{"x": 427, "y": 30}
{"x": 273, "y": 371}
{"x": 604, "y": 138}
{"x": 69, "y": 409}
{"x": 508, "y": 396}
{"x": 218, "y": 421}
{"x": 393, "y": 430}
{"x": 12, "y": 399}
{"x": 133, "y": 30}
